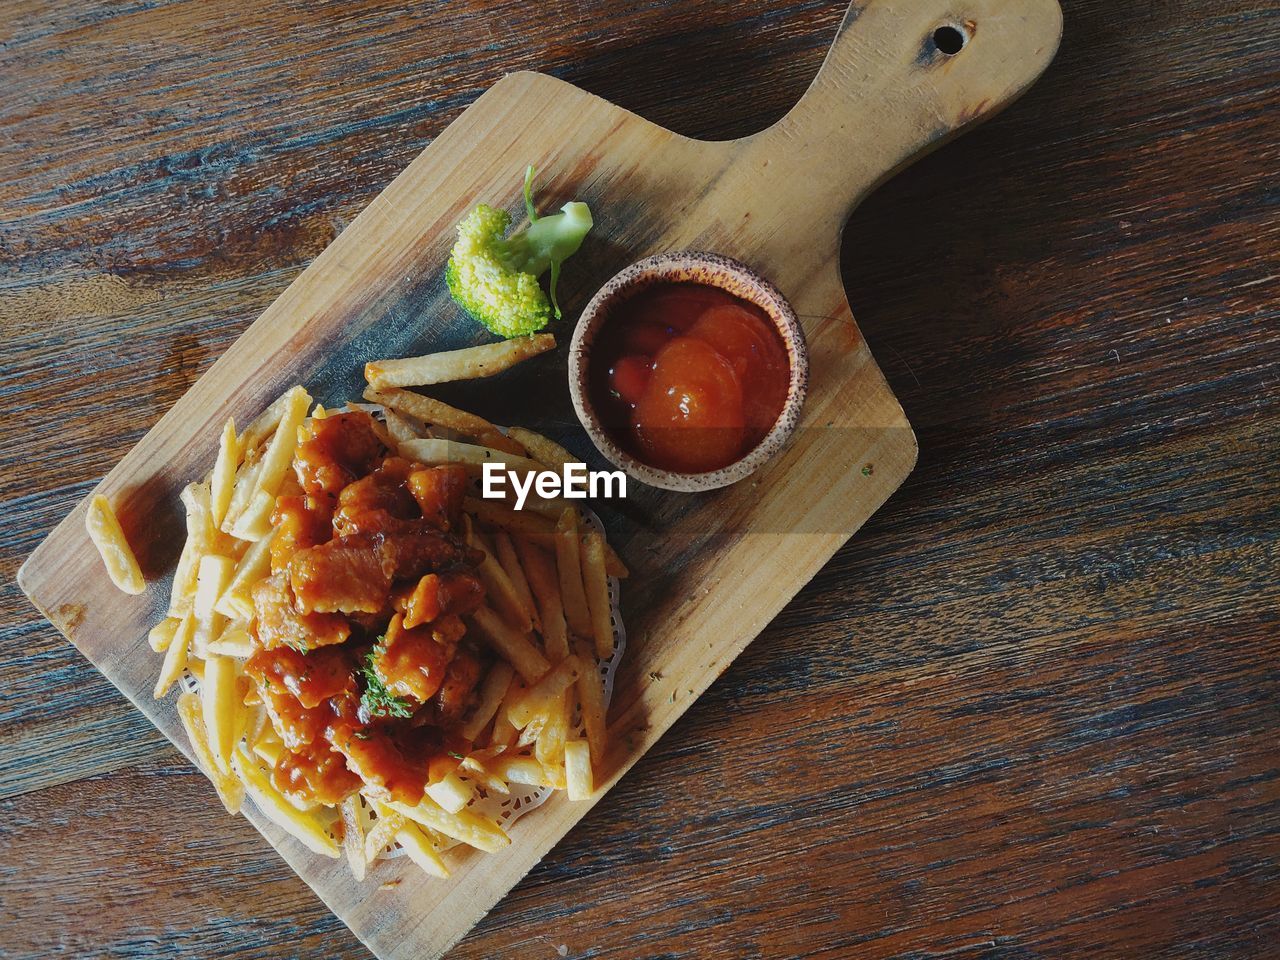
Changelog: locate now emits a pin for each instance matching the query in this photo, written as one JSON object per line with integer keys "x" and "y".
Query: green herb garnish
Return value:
{"x": 377, "y": 700}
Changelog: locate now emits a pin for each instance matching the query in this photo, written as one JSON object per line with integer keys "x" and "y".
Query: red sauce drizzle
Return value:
{"x": 356, "y": 697}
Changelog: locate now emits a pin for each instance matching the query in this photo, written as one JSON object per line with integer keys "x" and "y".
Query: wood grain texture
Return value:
{"x": 1035, "y": 697}
{"x": 708, "y": 572}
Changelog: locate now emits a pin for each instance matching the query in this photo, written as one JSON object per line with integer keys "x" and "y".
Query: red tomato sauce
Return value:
{"x": 688, "y": 377}
{"x": 357, "y": 697}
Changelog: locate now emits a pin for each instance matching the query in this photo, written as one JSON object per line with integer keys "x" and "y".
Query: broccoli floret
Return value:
{"x": 494, "y": 278}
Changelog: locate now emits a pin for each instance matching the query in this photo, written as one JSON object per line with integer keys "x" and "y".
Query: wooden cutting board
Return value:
{"x": 711, "y": 570}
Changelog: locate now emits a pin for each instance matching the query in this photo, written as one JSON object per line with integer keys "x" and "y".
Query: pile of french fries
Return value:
{"x": 539, "y": 719}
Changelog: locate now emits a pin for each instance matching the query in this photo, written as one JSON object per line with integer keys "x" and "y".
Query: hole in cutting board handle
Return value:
{"x": 950, "y": 39}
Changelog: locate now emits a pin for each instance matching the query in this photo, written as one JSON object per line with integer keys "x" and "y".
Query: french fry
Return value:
{"x": 117, "y": 556}
{"x": 264, "y": 424}
{"x": 466, "y": 364}
{"x": 451, "y": 792}
{"x": 548, "y": 749}
{"x": 515, "y": 768}
{"x": 547, "y": 508}
{"x": 504, "y": 733}
{"x": 528, "y": 736}
{"x": 245, "y": 489}
{"x": 437, "y": 413}
{"x": 236, "y": 602}
{"x": 400, "y": 429}
{"x": 270, "y": 751}
{"x": 419, "y": 849}
{"x": 383, "y": 434}
{"x": 577, "y": 770}
{"x": 230, "y": 790}
{"x": 470, "y": 455}
{"x": 249, "y": 514}
{"x": 175, "y": 657}
{"x": 234, "y": 641}
{"x": 613, "y": 564}
{"x": 595, "y": 582}
{"x": 591, "y": 699}
{"x": 515, "y": 691}
{"x": 514, "y": 646}
{"x": 161, "y": 635}
{"x": 267, "y": 734}
{"x": 220, "y": 708}
{"x": 556, "y": 457}
{"x": 482, "y": 755}
{"x": 541, "y": 449}
{"x": 498, "y": 586}
{"x": 200, "y": 536}
{"x": 279, "y": 453}
{"x": 212, "y": 577}
{"x": 353, "y": 836}
{"x": 476, "y": 770}
{"x": 383, "y": 831}
{"x": 545, "y": 583}
{"x": 511, "y": 565}
{"x": 569, "y": 566}
{"x": 305, "y": 827}
{"x": 543, "y": 695}
{"x": 518, "y": 523}
{"x": 492, "y": 692}
{"x": 223, "y": 479}
{"x": 254, "y": 718}
{"x": 255, "y": 522}
{"x": 465, "y": 826}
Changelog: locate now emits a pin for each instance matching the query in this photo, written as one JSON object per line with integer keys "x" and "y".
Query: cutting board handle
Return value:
{"x": 901, "y": 78}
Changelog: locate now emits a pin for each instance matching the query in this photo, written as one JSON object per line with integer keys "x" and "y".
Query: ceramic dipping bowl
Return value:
{"x": 714, "y": 270}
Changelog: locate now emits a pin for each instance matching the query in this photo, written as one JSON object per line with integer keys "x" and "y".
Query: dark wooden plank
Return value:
{"x": 940, "y": 790}
{"x": 184, "y": 894}
{"x": 1032, "y": 706}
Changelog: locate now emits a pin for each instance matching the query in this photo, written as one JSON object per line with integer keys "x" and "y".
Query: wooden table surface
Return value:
{"x": 1030, "y": 710}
